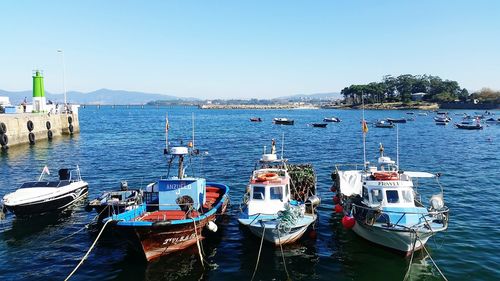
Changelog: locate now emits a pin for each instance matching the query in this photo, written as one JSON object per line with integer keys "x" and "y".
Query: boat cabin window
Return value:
{"x": 392, "y": 196}
{"x": 259, "y": 192}
{"x": 377, "y": 196}
{"x": 365, "y": 193}
{"x": 407, "y": 198}
{"x": 276, "y": 192}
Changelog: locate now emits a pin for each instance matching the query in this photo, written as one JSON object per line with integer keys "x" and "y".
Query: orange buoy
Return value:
{"x": 348, "y": 222}
{"x": 267, "y": 177}
{"x": 338, "y": 208}
{"x": 385, "y": 176}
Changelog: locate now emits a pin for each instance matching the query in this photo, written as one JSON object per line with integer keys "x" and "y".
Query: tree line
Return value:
{"x": 401, "y": 88}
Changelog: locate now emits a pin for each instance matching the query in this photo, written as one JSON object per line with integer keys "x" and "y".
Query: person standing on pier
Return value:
{"x": 25, "y": 101}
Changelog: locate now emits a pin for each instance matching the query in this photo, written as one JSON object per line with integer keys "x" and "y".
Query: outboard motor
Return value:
{"x": 123, "y": 185}
{"x": 311, "y": 203}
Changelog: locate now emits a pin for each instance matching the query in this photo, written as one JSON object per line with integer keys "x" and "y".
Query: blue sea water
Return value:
{"x": 127, "y": 143}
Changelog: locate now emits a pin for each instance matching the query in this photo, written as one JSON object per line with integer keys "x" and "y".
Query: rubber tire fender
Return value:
{"x": 70, "y": 119}
{"x": 70, "y": 128}
{"x": 50, "y": 135}
{"x": 30, "y": 125}
{"x": 31, "y": 138}
{"x": 48, "y": 125}
{"x": 4, "y": 140}
{"x": 3, "y": 128}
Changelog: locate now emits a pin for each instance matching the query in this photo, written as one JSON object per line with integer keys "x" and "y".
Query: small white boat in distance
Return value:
{"x": 268, "y": 209}
{"x": 386, "y": 206}
{"x": 331, "y": 119}
{"x": 43, "y": 196}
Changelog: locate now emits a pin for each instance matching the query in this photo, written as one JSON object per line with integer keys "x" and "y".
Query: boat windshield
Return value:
{"x": 276, "y": 192}
{"x": 377, "y": 196}
{"x": 392, "y": 196}
{"x": 259, "y": 192}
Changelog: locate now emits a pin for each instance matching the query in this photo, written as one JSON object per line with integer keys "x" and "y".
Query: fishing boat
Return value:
{"x": 44, "y": 196}
{"x": 115, "y": 202}
{"x": 469, "y": 126}
{"x": 422, "y": 113}
{"x": 331, "y": 119}
{"x": 283, "y": 121}
{"x": 277, "y": 207}
{"x": 255, "y": 119}
{"x": 382, "y": 204}
{"x": 441, "y": 117}
{"x": 174, "y": 211}
{"x": 396, "y": 120}
{"x": 384, "y": 124}
{"x": 492, "y": 120}
{"x": 319, "y": 125}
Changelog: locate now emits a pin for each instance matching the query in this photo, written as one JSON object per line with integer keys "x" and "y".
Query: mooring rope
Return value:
{"x": 81, "y": 229}
{"x": 198, "y": 244}
{"x": 88, "y": 252}
{"x": 407, "y": 274}
{"x": 439, "y": 270}
{"x": 260, "y": 250}
{"x": 283, "y": 254}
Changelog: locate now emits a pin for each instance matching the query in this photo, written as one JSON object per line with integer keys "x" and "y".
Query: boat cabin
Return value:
{"x": 176, "y": 194}
{"x": 269, "y": 191}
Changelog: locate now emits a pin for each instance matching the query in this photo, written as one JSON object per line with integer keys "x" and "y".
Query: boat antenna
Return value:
{"x": 282, "y": 145}
{"x": 192, "y": 144}
{"x": 397, "y": 146}
{"x": 167, "y": 126}
{"x": 365, "y": 128}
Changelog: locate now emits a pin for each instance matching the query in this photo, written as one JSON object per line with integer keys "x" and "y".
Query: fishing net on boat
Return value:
{"x": 289, "y": 217}
{"x": 303, "y": 181}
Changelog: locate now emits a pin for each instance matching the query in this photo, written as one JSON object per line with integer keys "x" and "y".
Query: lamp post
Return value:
{"x": 64, "y": 71}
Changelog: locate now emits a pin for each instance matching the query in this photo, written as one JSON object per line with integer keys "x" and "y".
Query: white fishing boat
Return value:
{"x": 382, "y": 204}
{"x": 43, "y": 196}
{"x": 269, "y": 209}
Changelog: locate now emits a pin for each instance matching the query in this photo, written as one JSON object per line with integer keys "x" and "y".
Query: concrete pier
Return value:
{"x": 28, "y": 128}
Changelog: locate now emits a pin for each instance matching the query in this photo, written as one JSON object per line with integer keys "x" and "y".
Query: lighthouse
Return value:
{"x": 39, "y": 101}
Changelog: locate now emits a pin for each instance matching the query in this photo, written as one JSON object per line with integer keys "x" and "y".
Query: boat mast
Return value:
{"x": 166, "y": 133}
{"x": 397, "y": 146}
{"x": 192, "y": 144}
{"x": 180, "y": 173}
{"x": 364, "y": 126}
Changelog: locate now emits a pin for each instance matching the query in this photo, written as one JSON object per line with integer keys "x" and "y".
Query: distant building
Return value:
{"x": 417, "y": 96}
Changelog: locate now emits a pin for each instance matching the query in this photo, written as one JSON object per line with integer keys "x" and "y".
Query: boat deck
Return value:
{"x": 213, "y": 194}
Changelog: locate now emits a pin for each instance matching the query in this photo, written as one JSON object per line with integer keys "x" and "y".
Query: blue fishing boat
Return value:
{"x": 174, "y": 210}
{"x": 381, "y": 203}
{"x": 270, "y": 209}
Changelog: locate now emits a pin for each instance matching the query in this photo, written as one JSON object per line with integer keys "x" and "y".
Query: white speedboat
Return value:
{"x": 385, "y": 206}
{"x": 44, "y": 196}
{"x": 269, "y": 209}
{"x": 331, "y": 119}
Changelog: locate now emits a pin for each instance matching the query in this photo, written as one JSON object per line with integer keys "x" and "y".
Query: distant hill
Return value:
{"x": 316, "y": 96}
{"x": 101, "y": 96}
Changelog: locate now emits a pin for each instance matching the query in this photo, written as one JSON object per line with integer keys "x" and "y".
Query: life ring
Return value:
{"x": 267, "y": 177}
{"x": 30, "y": 125}
{"x": 31, "y": 138}
{"x": 4, "y": 140}
{"x": 47, "y": 124}
{"x": 49, "y": 134}
{"x": 385, "y": 176}
{"x": 3, "y": 128}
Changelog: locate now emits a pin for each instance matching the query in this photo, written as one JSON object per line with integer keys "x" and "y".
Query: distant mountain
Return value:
{"x": 316, "y": 96}
{"x": 101, "y": 96}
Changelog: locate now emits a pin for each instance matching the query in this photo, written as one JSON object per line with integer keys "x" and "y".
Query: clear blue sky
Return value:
{"x": 244, "y": 49}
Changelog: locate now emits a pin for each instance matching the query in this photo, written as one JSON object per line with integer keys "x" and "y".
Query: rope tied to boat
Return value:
{"x": 260, "y": 250}
{"x": 288, "y": 218}
{"x": 88, "y": 252}
{"x": 283, "y": 257}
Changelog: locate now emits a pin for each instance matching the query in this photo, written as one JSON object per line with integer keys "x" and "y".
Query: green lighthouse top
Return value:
{"x": 38, "y": 90}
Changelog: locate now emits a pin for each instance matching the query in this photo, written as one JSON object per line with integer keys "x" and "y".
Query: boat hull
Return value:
{"x": 275, "y": 235}
{"x": 55, "y": 204}
{"x": 400, "y": 240}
